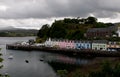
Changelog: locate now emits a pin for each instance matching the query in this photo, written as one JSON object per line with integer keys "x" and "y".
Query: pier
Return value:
{"x": 75, "y": 52}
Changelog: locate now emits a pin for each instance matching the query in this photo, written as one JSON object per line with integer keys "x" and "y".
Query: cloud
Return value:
{"x": 26, "y": 13}
{"x": 24, "y": 23}
{"x": 58, "y": 8}
{"x": 3, "y": 8}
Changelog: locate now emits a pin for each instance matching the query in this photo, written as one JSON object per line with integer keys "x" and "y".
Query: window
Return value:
{"x": 87, "y": 45}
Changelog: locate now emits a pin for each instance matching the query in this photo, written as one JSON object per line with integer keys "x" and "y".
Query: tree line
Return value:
{"x": 70, "y": 28}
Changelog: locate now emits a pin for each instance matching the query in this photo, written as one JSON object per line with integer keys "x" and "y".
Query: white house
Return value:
{"x": 48, "y": 43}
{"x": 99, "y": 45}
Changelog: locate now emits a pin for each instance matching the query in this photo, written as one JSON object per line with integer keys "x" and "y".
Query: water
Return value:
{"x": 17, "y": 67}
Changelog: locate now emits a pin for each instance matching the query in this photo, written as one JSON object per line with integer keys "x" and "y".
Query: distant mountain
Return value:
{"x": 7, "y": 28}
{"x": 17, "y": 32}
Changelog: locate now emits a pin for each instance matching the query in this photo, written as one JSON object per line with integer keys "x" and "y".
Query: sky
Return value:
{"x": 32, "y": 14}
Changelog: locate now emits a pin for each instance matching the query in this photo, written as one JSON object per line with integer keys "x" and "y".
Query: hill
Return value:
{"x": 70, "y": 28}
{"x": 17, "y": 32}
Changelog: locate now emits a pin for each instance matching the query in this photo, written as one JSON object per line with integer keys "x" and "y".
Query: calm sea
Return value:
{"x": 17, "y": 67}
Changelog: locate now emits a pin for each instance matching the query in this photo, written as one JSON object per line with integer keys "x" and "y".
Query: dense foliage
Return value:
{"x": 2, "y": 66}
{"x": 107, "y": 69}
{"x": 70, "y": 28}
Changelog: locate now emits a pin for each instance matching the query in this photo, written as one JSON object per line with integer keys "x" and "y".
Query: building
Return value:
{"x": 113, "y": 46}
{"x": 82, "y": 45}
{"x": 101, "y": 32}
{"x": 62, "y": 44}
{"x": 55, "y": 43}
{"x": 48, "y": 43}
{"x": 66, "y": 44}
{"x": 70, "y": 44}
{"x": 98, "y": 33}
{"x": 99, "y": 45}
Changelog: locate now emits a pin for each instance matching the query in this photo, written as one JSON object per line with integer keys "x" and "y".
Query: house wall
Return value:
{"x": 66, "y": 44}
{"x": 99, "y": 46}
{"x": 62, "y": 44}
{"x": 82, "y": 45}
{"x": 113, "y": 46}
{"x": 48, "y": 43}
{"x": 55, "y": 43}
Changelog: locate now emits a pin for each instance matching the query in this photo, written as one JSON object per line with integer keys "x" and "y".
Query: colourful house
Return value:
{"x": 55, "y": 43}
{"x": 82, "y": 45}
{"x": 69, "y": 44}
{"x": 62, "y": 44}
{"x": 99, "y": 45}
{"x": 48, "y": 43}
{"x": 66, "y": 44}
{"x": 113, "y": 46}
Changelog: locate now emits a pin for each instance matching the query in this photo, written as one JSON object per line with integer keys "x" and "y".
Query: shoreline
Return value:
{"x": 74, "y": 52}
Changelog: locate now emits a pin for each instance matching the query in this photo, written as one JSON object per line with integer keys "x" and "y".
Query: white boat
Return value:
{"x": 10, "y": 57}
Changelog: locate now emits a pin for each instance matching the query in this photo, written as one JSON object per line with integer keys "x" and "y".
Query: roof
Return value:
{"x": 97, "y": 29}
{"x": 99, "y": 41}
{"x": 82, "y": 41}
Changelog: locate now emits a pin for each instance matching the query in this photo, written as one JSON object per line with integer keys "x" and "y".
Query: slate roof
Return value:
{"x": 97, "y": 29}
{"x": 99, "y": 41}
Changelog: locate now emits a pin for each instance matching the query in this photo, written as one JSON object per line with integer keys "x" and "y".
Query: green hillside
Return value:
{"x": 70, "y": 28}
{"x": 18, "y": 33}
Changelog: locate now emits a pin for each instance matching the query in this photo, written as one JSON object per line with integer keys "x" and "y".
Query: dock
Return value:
{"x": 75, "y": 52}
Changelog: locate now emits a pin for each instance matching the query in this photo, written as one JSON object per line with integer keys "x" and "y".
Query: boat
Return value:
{"x": 26, "y": 61}
{"x": 41, "y": 59}
{"x": 10, "y": 57}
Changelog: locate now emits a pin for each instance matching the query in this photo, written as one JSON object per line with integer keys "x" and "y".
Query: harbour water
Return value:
{"x": 15, "y": 64}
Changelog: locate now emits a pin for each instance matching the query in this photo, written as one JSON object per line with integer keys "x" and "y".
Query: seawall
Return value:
{"x": 76, "y": 52}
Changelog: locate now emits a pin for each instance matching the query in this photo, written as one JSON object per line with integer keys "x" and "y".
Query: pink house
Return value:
{"x": 66, "y": 44}
{"x": 62, "y": 44}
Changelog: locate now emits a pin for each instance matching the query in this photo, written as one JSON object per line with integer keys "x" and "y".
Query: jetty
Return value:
{"x": 76, "y": 52}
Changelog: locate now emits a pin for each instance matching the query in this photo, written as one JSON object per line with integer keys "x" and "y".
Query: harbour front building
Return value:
{"x": 99, "y": 45}
{"x": 66, "y": 44}
{"x": 101, "y": 32}
{"x": 113, "y": 46}
{"x": 82, "y": 45}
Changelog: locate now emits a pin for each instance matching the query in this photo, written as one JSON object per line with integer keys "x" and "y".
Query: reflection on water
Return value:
{"x": 37, "y": 65}
{"x": 63, "y": 59}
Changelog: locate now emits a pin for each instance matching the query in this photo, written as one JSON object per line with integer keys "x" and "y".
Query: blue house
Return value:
{"x": 83, "y": 45}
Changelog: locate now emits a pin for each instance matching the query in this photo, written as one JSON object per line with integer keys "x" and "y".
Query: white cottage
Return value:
{"x": 99, "y": 45}
{"x": 55, "y": 43}
{"x": 48, "y": 43}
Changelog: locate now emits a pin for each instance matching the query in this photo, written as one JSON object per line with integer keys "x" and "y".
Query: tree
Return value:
{"x": 117, "y": 70}
{"x": 91, "y": 20}
{"x": 68, "y": 20}
{"x": 77, "y": 35}
{"x": 58, "y": 30}
{"x": 100, "y": 25}
{"x": 2, "y": 66}
{"x": 62, "y": 73}
{"x": 44, "y": 31}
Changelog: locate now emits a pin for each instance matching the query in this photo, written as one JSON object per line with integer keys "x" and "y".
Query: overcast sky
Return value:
{"x": 34, "y": 13}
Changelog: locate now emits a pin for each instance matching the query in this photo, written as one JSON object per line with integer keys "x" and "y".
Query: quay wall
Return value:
{"x": 76, "y": 52}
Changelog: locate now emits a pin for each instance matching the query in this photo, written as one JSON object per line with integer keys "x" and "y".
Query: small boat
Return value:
{"x": 41, "y": 59}
{"x": 26, "y": 61}
{"x": 6, "y": 74}
{"x": 10, "y": 57}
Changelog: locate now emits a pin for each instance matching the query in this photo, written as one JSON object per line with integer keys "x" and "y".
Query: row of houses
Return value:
{"x": 102, "y": 45}
{"x": 111, "y": 31}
